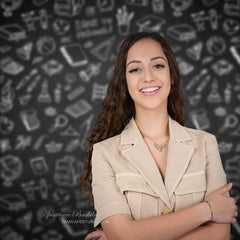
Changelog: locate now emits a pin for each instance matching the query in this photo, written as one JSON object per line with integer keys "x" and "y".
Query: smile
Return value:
{"x": 149, "y": 90}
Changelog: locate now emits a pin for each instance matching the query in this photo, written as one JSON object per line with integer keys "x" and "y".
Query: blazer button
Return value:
{"x": 166, "y": 211}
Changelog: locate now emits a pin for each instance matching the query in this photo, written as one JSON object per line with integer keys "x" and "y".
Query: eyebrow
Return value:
{"x": 154, "y": 58}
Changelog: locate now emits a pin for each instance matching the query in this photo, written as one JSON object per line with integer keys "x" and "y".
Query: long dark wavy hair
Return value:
{"x": 118, "y": 107}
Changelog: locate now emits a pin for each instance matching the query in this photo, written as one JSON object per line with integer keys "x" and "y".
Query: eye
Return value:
{"x": 159, "y": 66}
{"x": 134, "y": 70}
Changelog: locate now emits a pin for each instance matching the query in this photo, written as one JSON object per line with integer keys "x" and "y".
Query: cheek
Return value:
{"x": 168, "y": 88}
{"x": 167, "y": 82}
{"x": 169, "y": 85}
{"x": 131, "y": 91}
{"x": 131, "y": 85}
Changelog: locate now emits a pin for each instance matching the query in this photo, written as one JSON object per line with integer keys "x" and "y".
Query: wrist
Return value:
{"x": 206, "y": 212}
{"x": 211, "y": 210}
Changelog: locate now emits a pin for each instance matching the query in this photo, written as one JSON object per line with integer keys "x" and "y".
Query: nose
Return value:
{"x": 148, "y": 75}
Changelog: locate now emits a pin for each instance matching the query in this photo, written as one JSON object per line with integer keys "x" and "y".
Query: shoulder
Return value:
{"x": 108, "y": 143}
{"x": 183, "y": 133}
{"x": 108, "y": 151}
{"x": 200, "y": 134}
{"x": 128, "y": 135}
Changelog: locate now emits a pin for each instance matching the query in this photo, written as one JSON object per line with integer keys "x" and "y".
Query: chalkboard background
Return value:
{"x": 56, "y": 59}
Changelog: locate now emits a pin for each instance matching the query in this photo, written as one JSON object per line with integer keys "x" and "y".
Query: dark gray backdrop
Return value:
{"x": 56, "y": 59}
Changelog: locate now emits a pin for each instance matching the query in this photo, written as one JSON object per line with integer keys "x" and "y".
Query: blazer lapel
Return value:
{"x": 137, "y": 152}
{"x": 179, "y": 155}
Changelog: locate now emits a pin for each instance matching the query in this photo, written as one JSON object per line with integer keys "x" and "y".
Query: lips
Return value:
{"x": 149, "y": 90}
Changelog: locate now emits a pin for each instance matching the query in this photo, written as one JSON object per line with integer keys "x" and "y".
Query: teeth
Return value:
{"x": 149, "y": 89}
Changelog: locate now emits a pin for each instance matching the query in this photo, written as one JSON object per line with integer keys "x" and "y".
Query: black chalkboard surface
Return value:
{"x": 56, "y": 59}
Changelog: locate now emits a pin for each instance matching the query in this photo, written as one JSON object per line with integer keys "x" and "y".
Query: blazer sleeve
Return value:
{"x": 108, "y": 200}
{"x": 215, "y": 175}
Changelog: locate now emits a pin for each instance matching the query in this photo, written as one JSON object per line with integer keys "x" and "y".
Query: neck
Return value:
{"x": 153, "y": 123}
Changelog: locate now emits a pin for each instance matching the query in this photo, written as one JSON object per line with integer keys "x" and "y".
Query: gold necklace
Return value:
{"x": 160, "y": 147}
{"x": 157, "y": 146}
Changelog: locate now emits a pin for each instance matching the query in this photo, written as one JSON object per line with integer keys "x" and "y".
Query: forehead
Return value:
{"x": 145, "y": 48}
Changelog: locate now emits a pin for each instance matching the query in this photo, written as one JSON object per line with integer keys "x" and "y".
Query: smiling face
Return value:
{"x": 148, "y": 75}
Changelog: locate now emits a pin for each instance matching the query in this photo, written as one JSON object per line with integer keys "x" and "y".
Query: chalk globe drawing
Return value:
{"x": 11, "y": 168}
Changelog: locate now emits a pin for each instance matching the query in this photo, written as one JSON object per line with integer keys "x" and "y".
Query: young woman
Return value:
{"x": 153, "y": 178}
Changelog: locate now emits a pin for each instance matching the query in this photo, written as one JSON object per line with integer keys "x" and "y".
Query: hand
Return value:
{"x": 96, "y": 234}
{"x": 224, "y": 208}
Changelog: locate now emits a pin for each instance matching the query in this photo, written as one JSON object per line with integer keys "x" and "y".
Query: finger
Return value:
{"x": 235, "y": 214}
{"x": 225, "y": 189}
{"x": 103, "y": 237}
{"x": 233, "y": 200}
{"x": 93, "y": 235}
{"x": 233, "y": 220}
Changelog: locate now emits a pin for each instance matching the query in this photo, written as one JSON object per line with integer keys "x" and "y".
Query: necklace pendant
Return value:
{"x": 159, "y": 147}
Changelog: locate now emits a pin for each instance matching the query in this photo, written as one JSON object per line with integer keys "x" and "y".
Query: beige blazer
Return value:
{"x": 126, "y": 179}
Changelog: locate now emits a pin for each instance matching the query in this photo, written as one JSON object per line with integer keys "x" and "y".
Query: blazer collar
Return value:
{"x": 131, "y": 133}
{"x": 179, "y": 155}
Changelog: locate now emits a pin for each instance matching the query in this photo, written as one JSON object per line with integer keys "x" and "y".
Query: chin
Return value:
{"x": 152, "y": 107}
{"x": 151, "y": 104}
